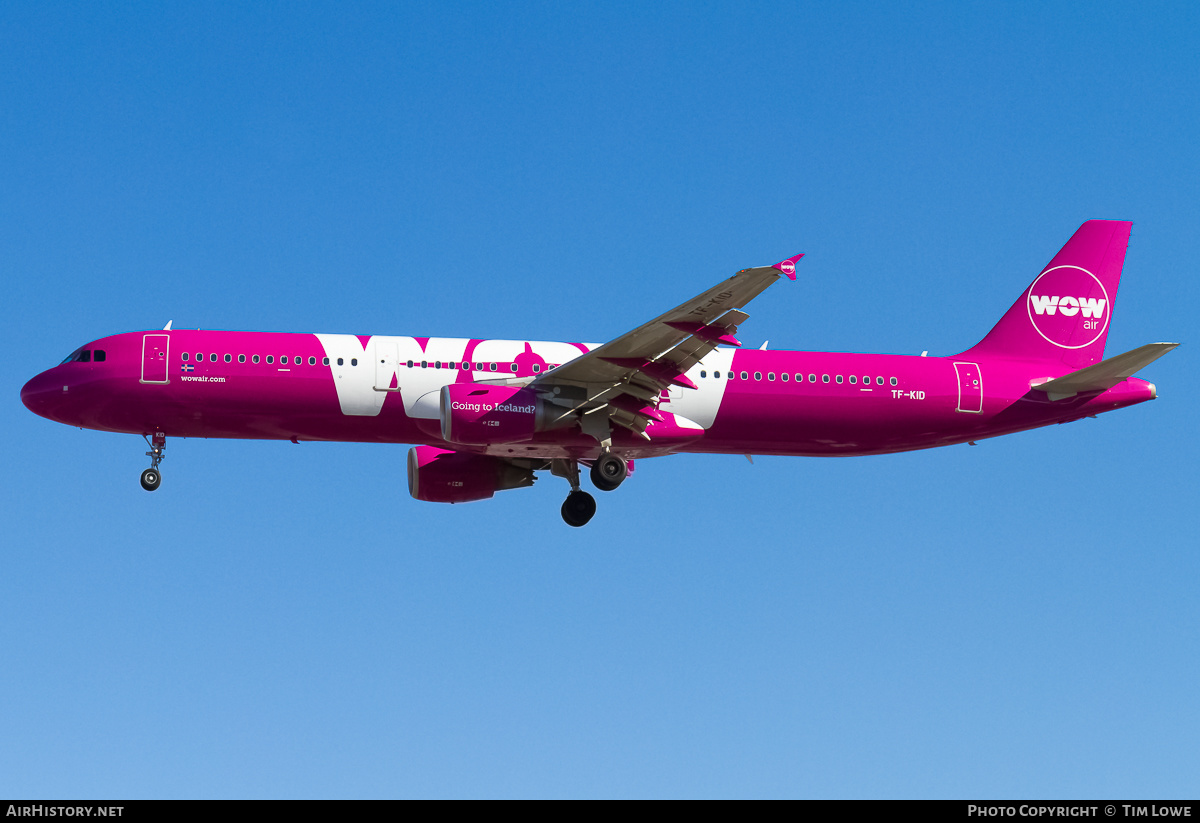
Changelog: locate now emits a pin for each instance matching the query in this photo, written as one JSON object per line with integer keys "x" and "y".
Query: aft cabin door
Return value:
{"x": 970, "y": 388}
{"x": 154, "y": 357}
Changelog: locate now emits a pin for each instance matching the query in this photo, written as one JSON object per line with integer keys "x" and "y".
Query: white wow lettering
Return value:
{"x": 1068, "y": 306}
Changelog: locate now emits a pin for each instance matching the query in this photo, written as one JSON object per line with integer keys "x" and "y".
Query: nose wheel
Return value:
{"x": 152, "y": 477}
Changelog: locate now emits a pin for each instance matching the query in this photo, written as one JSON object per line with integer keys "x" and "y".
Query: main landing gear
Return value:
{"x": 579, "y": 506}
{"x": 607, "y": 473}
{"x": 151, "y": 477}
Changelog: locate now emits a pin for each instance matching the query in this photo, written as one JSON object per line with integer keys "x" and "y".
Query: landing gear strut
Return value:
{"x": 609, "y": 471}
{"x": 579, "y": 506}
{"x": 151, "y": 477}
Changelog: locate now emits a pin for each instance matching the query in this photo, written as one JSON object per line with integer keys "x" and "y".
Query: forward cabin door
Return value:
{"x": 154, "y": 357}
{"x": 970, "y": 388}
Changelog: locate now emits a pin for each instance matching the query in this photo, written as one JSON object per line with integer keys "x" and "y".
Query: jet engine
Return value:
{"x": 443, "y": 476}
{"x": 481, "y": 415}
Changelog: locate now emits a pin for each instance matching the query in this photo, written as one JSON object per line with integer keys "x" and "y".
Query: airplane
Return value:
{"x": 486, "y": 415}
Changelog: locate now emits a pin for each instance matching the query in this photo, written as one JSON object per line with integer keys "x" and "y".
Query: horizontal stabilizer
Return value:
{"x": 1105, "y": 374}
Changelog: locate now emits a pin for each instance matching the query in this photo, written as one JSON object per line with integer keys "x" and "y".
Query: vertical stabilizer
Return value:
{"x": 1063, "y": 316}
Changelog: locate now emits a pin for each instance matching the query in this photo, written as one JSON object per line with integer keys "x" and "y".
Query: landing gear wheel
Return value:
{"x": 151, "y": 479}
{"x": 578, "y": 508}
{"x": 609, "y": 471}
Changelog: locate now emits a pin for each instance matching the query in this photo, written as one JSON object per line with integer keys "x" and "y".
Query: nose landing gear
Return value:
{"x": 151, "y": 477}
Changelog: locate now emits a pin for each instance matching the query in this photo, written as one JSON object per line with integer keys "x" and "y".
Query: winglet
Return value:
{"x": 788, "y": 266}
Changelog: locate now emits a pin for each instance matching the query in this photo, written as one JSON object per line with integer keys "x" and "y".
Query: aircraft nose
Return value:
{"x": 41, "y": 394}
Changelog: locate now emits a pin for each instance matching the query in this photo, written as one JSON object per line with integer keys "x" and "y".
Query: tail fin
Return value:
{"x": 1063, "y": 316}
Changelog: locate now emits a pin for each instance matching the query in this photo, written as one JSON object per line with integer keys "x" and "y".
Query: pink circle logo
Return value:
{"x": 787, "y": 267}
{"x": 1069, "y": 307}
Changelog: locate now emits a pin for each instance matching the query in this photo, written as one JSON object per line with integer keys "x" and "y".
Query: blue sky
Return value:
{"x": 1013, "y": 620}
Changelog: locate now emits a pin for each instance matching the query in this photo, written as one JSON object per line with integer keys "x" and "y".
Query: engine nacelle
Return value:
{"x": 482, "y": 415}
{"x": 442, "y": 476}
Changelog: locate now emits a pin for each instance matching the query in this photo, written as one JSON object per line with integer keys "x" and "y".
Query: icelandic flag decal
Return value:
{"x": 187, "y": 367}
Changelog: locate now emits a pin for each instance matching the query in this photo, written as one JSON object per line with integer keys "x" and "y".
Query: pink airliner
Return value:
{"x": 488, "y": 414}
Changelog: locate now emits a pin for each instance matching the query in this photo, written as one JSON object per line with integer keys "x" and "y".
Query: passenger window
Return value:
{"x": 241, "y": 358}
{"x": 758, "y": 375}
{"x": 866, "y": 379}
{"x": 894, "y": 381}
{"x": 839, "y": 378}
{"x": 537, "y": 368}
{"x": 255, "y": 359}
{"x": 824, "y": 378}
{"x": 341, "y": 362}
{"x": 491, "y": 366}
{"x": 703, "y": 374}
{"x": 283, "y": 361}
{"x": 100, "y": 356}
{"x": 853, "y": 380}
{"x": 466, "y": 366}
{"x": 812, "y": 378}
{"x": 424, "y": 364}
{"x": 745, "y": 376}
{"x": 437, "y": 364}
{"x": 513, "y": 367}
{"x": 771, "y": 376}
{"x": 184, "y": 357}
{"x": 325, "y": 362}
{"x": 312, "y": 361}
{"x": 199, "y": 357}
{"x": 271, "y": 359}
{"x": 478, "y": 367}
{"x": 353, "y": 361}
{"x": 212, "y": 358}
{"x": 878, "y": 381}
{"x": 784, "y": 377}
{"x": 410, "y": 364}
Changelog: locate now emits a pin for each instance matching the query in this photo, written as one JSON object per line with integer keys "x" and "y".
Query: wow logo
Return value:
{"x": 1069, "y": 307}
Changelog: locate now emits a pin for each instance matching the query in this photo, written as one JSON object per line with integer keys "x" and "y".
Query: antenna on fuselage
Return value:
{"x": 168, "y": 326}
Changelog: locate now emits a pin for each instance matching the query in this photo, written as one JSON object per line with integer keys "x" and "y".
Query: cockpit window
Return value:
{"x": 78, "y": 356}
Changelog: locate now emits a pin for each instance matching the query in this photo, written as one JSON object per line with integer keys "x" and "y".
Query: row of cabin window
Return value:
{"x": 312, "y": 361}
{"x": 283, "y": 360}
{"x": 812, "y": 378}
{"x": 466, "y": 366}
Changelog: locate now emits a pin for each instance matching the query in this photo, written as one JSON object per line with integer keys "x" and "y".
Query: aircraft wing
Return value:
{"x": 621, "y": 381}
